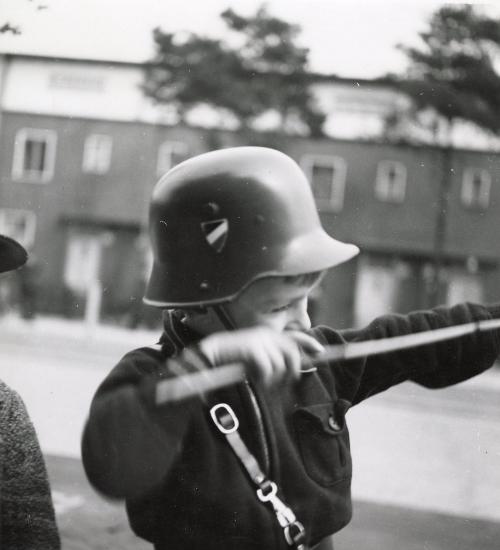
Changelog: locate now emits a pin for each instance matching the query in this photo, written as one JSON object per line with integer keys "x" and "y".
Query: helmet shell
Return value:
{"x": 223, "y": 219}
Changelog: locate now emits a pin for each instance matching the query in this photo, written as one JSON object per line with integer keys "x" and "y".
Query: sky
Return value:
{"x": 350, "y": 38}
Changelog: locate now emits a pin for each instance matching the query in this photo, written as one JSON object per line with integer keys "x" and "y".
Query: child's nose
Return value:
{"x": 298, "y": 317}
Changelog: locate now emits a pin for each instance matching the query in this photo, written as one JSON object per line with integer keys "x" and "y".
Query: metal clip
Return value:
{"x": 284, "y": 514}
{"x": 268, "y": 495}
{"x": 296, "y": 538}
{"x": 224, "y": 418}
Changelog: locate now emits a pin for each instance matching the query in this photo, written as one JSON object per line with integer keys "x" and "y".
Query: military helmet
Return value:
{"x": 223, "y": 219}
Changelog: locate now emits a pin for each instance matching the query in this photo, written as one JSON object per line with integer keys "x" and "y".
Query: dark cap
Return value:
{"x": 12, "y": 254}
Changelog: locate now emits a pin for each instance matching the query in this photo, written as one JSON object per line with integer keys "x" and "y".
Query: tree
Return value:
{"x": 263, "y": 72}
{"x": 7, "y": 27}
{"x": 451, "y": 79}
{"x": 453, "y": 74}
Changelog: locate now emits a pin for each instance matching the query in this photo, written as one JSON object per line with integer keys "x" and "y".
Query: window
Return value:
{"x": 476, "y": 186}
{"x": 327, "y": 178}
{"x": 376, "y": 290}
{"x": 83, "y": 260}
{"x": 19, "y": 225}
{"x": 464, "y": 287}
{"x": 170, "y": 153}
{"x": 97, "y": 154}
{"x": 34, "y": 155}
{"x": 390, "y": 184}
{"x": 73, "y": 81}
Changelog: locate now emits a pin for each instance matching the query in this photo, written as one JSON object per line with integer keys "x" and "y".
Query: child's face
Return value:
{"x": 273, "y": 303}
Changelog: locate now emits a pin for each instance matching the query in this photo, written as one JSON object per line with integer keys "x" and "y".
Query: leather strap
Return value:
{"x": 227, "y": 423}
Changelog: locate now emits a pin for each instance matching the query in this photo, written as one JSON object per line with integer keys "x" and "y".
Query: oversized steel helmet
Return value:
{"x": 223, "y": 219}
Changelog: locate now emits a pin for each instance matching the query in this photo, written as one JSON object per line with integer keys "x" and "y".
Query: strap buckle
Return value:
{"x": 294, "y": 534}
{"x": 224, "y": 418}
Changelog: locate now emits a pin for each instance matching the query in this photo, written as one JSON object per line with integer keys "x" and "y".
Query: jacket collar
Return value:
{"x": 176, "y": 334}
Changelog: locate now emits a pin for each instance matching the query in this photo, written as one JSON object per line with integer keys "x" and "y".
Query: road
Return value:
{"x": 86, "y": 521}
{"x": 426, "y": 463}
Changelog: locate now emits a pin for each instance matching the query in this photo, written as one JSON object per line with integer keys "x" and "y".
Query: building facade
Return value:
{"x": 81, "y": 149}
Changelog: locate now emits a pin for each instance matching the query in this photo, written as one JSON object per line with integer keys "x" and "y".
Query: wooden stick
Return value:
{"x": 190, "y": 384}
{"x": 415, "y": 339}
{"x": 198, "y": 383}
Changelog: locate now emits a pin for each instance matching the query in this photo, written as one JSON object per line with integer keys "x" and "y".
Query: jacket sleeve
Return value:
{"x": 129, "y": 443}
{"x": 434, "y": 365}
{"x": 27, "y": 513}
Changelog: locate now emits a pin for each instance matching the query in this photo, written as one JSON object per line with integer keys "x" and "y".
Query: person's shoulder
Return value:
{"x": 5, "y": 389}
{"x": 8, "y": 395}
{"x": 11, "y": 404}
{"x": 144, "y": 359}
{"x": 133, "y": 367}
{"x": 153, "y": 352}
{"x": 139, "y": 362}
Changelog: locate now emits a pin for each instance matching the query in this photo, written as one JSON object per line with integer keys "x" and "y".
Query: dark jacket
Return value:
{"x": 184, "y": 487}
{"x": 27, "y": 520}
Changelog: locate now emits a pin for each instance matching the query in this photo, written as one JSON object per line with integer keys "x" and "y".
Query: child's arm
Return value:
{"x": 130, "y": 440}
{"x": 434, "y": 366}
{"x": 129, "y": 443}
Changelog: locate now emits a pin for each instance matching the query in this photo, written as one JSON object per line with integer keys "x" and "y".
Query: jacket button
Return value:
{"x": 334, "y": 425}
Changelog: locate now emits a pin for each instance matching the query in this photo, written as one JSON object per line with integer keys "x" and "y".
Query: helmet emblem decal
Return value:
{"x": 215, "y": 232}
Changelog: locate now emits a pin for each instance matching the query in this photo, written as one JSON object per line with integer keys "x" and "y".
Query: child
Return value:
{"x": 27, "y": 515}
{"x": 264, "y": 463}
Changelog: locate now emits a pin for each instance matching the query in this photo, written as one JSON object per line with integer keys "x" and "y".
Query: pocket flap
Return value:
{"x": 329, "y": 417}
{"x": 323, "y": 441}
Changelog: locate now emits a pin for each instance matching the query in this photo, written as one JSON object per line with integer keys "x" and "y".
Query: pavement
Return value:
{"x": 426, "y": 463}
{"x": 85, "y": 519}
{"x": 88, "y": 522}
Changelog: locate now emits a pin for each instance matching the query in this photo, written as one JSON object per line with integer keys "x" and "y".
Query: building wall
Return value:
{"x": 474, "y": 231}
{"x": 118, "y": 200}
{"x": 354, "y": 108}
{"x": 94, "y": 90}
{"x": 367, "y": 221}
{"x": 397, "y": 238}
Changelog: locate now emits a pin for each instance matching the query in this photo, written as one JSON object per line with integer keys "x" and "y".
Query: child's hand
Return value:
{"x": 268, "y": 355}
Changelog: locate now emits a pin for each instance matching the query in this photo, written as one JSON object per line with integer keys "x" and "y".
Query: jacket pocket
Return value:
{"x": 323, "y": 441}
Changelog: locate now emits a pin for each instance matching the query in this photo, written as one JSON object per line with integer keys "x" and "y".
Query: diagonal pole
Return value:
{"x": 356, "y": 350}
{"x": 192, "y": 384}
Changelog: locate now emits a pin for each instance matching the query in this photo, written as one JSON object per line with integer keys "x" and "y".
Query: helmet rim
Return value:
{"x": 316, "y": 251}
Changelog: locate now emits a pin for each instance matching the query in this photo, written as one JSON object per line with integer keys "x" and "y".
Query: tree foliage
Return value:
{"x": 263, "y": 70}
{"x": 7, "y": 27}
{"x": 454, "y": 71}
{"x": 454, "y": 74}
